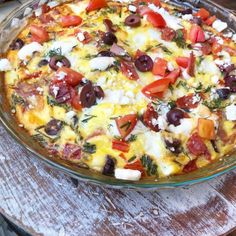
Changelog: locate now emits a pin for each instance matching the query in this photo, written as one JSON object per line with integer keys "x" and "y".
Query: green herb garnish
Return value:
{"x": 54, "y": 52}
{"x": 89, "y": 148}
{"x": 126, "y": 126}
{"x": 40, "y": 139}
{"x": 132, "y": 138}
{"x": 89, "y": 117}
{"x": 132, "y": 159}
{"x": 52, "y": 102}
{"x": 17, "y": 100}
{"x": 215, "y": 104}
{"x": 164, "y": 49}
{"x": 183, "y": 84}
{"x": 148, "y": 164}
{"x": 179, "y": 39}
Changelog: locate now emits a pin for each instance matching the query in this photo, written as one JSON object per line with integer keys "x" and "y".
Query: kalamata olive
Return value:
{"x": 197, "y": 20}
{"x": 106, "y": 54}
{"x": 87, "y": 95}
{"x": 174, "y": 145}
{"x": 133, "y": 20}
{"x": 109, "y": 38}
{"x": 99, "y": 92}
{"x": 109, "y": 166}
{"x": 227, "y": 69}
{"x": 223, "y": 93}
{"x": 60, "y": 91}
{"x": 53, "y": 127}
{"x": 230, "y": 81}
{"x": 186, "y": 11}
{"x": 109, "y": 25}
{"x": 58, "y": 59}
{"x": 17, "y": 44}
{"x": 174, "y": 116}
{"x": 43, "y": 62}
{"x": 144, "y": 63}
{"x": 214, "y": 145}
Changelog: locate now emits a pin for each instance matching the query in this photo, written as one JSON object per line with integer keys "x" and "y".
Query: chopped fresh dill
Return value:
{"x": 132, "y": 158}
{"x": 132, "y": 138}
{"x": 89, "y": 148}
{"x": 89, "y": 117}
{"x": 164, "y": 48}
{"x": 179, "y": 39}
{"x": 147, "y": 162}
{"x": 54, "y": 52}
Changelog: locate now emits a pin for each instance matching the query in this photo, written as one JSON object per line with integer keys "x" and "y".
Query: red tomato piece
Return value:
{"x": 75, "y": 103}
{"x": 182, "y": 61}
{"x": 156, "y": 19}
{"x": 173, "y": 75}
{"x": 186, "y": 102}
{"x": 95, "y": 5}
{"x": 203, "y": 13}
{"x": 197, "y": 147}
{"x": 126, "y": 124}
{"x": 196, "y": 34}
{"x": 71, "y": 20}
{"x": 191, "y": 166}
{"x": 148, "y": 117}
{"x": 129, "y": 71}
{"x": 45, "y": 18}
{"x": 137, "y": 165}
{"x": 216, "y": 48}
{"x": 159, "y": 67}
{"x": 45, "y": 8}
{"x": 39, "y": 34}
{"x": 191, "y": 64}
{"x": 72, "y": 151}
{"x": 210, "y": 20}
{"x": 72, "y": 77}
{"x": 143, "y": 10}
{"x": 156, "y": 88}
{"x": 167, "y": 34}
{"x": 120, "y": 145}
{"x": 206, "y": 48}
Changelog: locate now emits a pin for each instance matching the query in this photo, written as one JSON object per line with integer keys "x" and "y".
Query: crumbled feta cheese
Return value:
{"x": 59, "y": 64}
{"x": 170, "y": 66}
{"x": 40, "y": 90}
{"x": 234, "y": 38}
{"x": 233, "y": 98}
{"x": 228, "y": 35}
{"x": 186, "y": 75}
{"x": 61, "y": 75}
{"x": 38, "y": 12}
{"x": 139, "y": 128}
{"x": 187, "y": 17}
{"x": 161, "y": 122}
{"x": 5, "y": 65}
{"x": 215, "y": 79}
{"x": 230, "y": 112}
{"x": 219, "y": 25}
{"x": 53, "y": 4}
{"x": 219, "y": 40}
{"x": 27, "y": 51}
{"x": 69, "y": 117}
{"x": 101, "y": 63}
{"x": 65, "y": 46}
{"x": 209, "y": 67}
{"x": 113, "y": 129}
{"x": 214, "y": 95}
{"x": 132, "y": 8}
{"x": 207, "y": 35}
{"x": 127, "y": 174}
{"x": 201, "y": 111}
{"x": 55, "y": 90}
{"x": 225, "y": 59}
{"x": 27, "y": 11}
{"x": 81, "y": 36}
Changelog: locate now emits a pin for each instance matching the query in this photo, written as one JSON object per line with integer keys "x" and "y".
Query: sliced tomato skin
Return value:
{"x": 70, "y": 20}
{"x": 173, "y": 75}
{"x": 128, "y": 69}
{"x": 203, "y": 13}
{"x": 191, "y": 166}
{"x": 182, "y": 61}
{"x": 156, "y": 19}
{"x": 197, "y": 147}
{"x": 186, "y": 102}
{"x": 95, "y": 5}
{"x": 148, "y": 115}
{"x": 210, "y": 20}
{"x": 72, "y": 77}
{"x": 39, "y": 34}
{"x": 216, "y": 48}
{"x": 126, "y": 124}
{"x": 120, "y": 145}
{"x": 196, "y": 34}
{"x": 75, "y": 102}
{"x": 156, "y": 88}
{"x": 191, "y": 64}
{"x": 137, "y": 165}
{"x": 159, "y": 67}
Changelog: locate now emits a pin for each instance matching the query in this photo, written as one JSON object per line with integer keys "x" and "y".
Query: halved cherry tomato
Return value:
{"x": 129, "y": 71}
{"x": 191, "y": 64}
{"x": 39, "y": 34}
{"x": 156, "y": 19}
{"x": 159, "y": 67}
{"x": 45, "y": 8}
{"x": 120, "y": 145}
{"x": 137, "y": 165}
{"x": 75, "y": 103}
{"x": 203, "y": 13}
{"x": 186, "y": 102}
{"x": 182, "y": 61}
{"x": 216, "y": 48}
{"x": 173, "y": 75}
{"x": 210, "y": 20}
{"x": 197, "y": 147}
{"x": 95, "y": 5}
{"x": 206, "y": 128}
{"x": 148, "y": 117}
{"x": 143, "y": 10}
{"x": 45, "y": 18}
{"x": 72, "y": 77}
{"x": 196, "y": 34}
{"x": 126, "y": 124}
{"x": 71, "y": 20}
{"x": 191, "y": 166}
{"x": 156, "y": 88}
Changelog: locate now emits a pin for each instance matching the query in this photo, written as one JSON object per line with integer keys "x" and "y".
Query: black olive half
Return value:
{"x": 58, "y": 59}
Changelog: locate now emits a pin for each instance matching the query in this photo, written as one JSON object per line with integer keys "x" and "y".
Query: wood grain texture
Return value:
{"x": 46, "y": 202}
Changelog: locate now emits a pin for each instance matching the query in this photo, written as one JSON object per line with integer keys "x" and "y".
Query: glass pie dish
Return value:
{"x": 9, "y": 29}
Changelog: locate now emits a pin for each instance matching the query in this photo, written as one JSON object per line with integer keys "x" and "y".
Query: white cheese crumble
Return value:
{"x": 127, "y": 174}
{"x": 53, "y": 4}
{"x": 113, "y": 129}
{"x": 132, "y": 8}
{"x": 101, "y": 63}
{"x": 214, "y": 95}
{"x": 69, "y": 117}
{"x": 219, "y": 40}
{"x": 187, "y": 17}
{"x": 215, "y": 79}
{"x": 27, "y": 51}
{"x": 230, "y": 112}
{"x": 61, "y": 75}
{"x": 38, "y": 12}
{"x": 219, "y": 25}
{"x": 170, "y": 66}
{"x": 81, "y": 36}
{"x": 196, "y": 98}
{"x": 59, "y": 64}
{"x": 161, "y": 122}
{"x": 234, "y": 38}
{"x": 5, "y": 65}
{"x": 228, "y": 35}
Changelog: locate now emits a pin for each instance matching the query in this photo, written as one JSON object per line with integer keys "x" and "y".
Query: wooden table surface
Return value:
{"x": 45, "y": 202}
